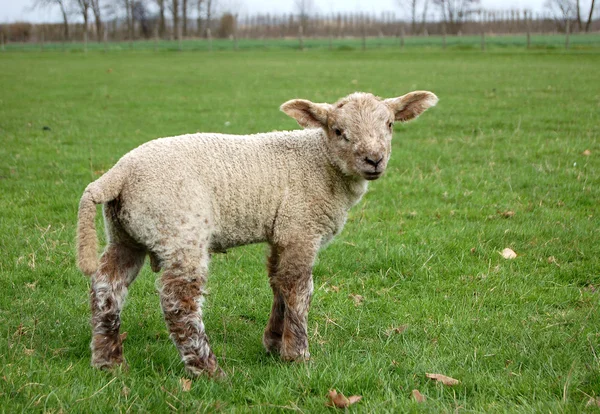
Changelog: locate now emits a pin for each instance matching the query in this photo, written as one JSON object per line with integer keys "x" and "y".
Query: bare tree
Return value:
{"x": 97, "y": 18}
{"x": 454, "y": 12}
{"x": 563, "y": 10}
{"x": 63, "y": 10}
{"x": 424, "y": 16}
{"x": 174, "y": 7}
{"x": 161, "y": 17}
{"x": 199, "y": 4}
{"x": 84, "y": 7}
{"x": 210, "y": 4}
{"x": 184, "y": 10}
{"x": 589, "y": 20}
{"x": 412, "y": 5}
{"x": 128, "y": 6}
{"x": 304, "y": 9}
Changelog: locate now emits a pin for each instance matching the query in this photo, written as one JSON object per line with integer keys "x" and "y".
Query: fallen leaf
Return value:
{"x": 397, "y": 329}
{"x": 31, "y": 285}
{"x": 443, "y": 379}
{"x": 587, "y": 153}
{"x": 552, "y": 260}
{"x": 340, "y": 400}
{"x": 28, "y": 351}
{"x": 593, "y": 402}
{"x": 357, "y": 298}
{"x": 335, "y": 288}
{"x": 123, "y": 336}
{"x": 125, "y": 391}
{"x": 473, "y": 250}
{"x": 507, "y": 213}
{"x": 418, "y": 396}
{"x": 186, "y": 384}
{"x": 508, "y": 254}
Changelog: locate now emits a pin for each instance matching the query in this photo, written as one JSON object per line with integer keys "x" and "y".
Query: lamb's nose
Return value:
{"x": 371, "y": 161}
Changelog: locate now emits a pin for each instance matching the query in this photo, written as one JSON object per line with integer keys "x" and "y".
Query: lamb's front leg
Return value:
{"x": 293, "y": 282}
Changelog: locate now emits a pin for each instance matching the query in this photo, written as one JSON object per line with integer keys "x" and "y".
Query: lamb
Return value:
{"x": 179, "y": 199}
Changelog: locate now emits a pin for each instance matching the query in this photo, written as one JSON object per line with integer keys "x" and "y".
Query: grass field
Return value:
{"x": 580, "y": 41}
{"x": 500, "y": 162}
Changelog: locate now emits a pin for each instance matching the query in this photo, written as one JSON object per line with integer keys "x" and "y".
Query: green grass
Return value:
{"x": 582, "y": 41}
{"x": 422, "y": 248}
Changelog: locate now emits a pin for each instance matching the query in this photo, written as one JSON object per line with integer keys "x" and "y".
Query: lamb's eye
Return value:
{"x": 338, "y": 132}
{"x": 391, "y": 125}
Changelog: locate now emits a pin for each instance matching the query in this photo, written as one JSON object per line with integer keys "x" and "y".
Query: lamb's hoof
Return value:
{"x": 110, "y": 365}
{"x": 301, "y": 356}
{"x": 272, "y": 342}
{"x": 208, "y": 367}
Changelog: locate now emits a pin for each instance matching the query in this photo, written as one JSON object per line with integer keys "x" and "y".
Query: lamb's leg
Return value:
{"x": 295, "y": 284}
{"x": 274, "y": 330}
{"x": 119, "y": 265}
{"x": 181, "y": 297}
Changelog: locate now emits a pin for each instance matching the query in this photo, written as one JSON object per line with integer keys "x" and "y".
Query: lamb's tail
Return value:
{"x": 103, "y": 190}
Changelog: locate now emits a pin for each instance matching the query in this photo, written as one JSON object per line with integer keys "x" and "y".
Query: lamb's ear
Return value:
{"x": 411, "y": 105}
{"x": 307, "y": 113}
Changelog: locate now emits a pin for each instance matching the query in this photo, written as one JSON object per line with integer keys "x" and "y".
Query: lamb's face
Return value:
{"x": 359, "y": 127}
{"x": 359, "y": 131}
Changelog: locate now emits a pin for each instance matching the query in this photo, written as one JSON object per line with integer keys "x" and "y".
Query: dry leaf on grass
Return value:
{"x": 396, "y": 329}
{"x": 587, "y": 152}
{"x": 418, "y": 396}
{"x": 28, "y": 352}
{"x": 507, "y": 213}
{"x": 339, "y": 400}
{"x": 508, "y": 254}
{"x": 186, "y": 384}
{"x": 593, "y": 402}
{"x": 356, "y": 298}
{"x": 443, "y": 379}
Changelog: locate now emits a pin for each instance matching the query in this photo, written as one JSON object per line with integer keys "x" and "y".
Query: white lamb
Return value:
{"x": 178, "y": 199}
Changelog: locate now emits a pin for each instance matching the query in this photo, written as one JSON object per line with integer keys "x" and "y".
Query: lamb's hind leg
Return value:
{"x": 181, "y": 297}
{"x": 119, "y": 265}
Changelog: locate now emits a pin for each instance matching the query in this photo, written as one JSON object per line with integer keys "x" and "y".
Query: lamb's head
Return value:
{"x": 359, "y": 127}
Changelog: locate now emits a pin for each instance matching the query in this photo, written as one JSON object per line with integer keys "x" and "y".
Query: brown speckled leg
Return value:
{"x": 292, "y": 286}
{"x": 181, "y": 297}
{"x": 119, "y": 265}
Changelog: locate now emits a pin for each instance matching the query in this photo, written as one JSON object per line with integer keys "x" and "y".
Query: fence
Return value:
{"x": 401, "y": 41}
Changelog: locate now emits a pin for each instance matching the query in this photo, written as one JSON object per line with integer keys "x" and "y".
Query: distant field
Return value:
{"x": 545, "y": 42}
{"x": 509, "y": 158}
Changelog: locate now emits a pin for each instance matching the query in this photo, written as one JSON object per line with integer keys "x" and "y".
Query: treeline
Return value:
{"x": 144, "y": 24}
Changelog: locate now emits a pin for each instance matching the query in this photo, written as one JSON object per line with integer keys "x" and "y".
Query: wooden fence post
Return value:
{"x": 156, "y": 38}
{"x": 528, "y": 23}
{"x": 402, "y": 37}
{"x": 568, "y": 34}
{"x": 482, "y": 39}
{"x": 2, "y": 40}
{"x": 235, "y": 34}
{"x": 105, "y": 40}
{"x": 179, "y": 40}
{"x": 41, "y": 38}
{"x": 300, "y": 37}
{"x": 85, "y": 41}
{"x": 209, "y": 37}
{"x": 364, "y": 36}
{"x": 444, "y": 35}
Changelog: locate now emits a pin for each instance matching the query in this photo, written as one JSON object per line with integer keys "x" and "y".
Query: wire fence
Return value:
{"x": 588, "y": 41}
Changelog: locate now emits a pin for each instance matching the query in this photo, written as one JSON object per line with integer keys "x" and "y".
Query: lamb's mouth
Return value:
{"x": 371, "y": 175}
